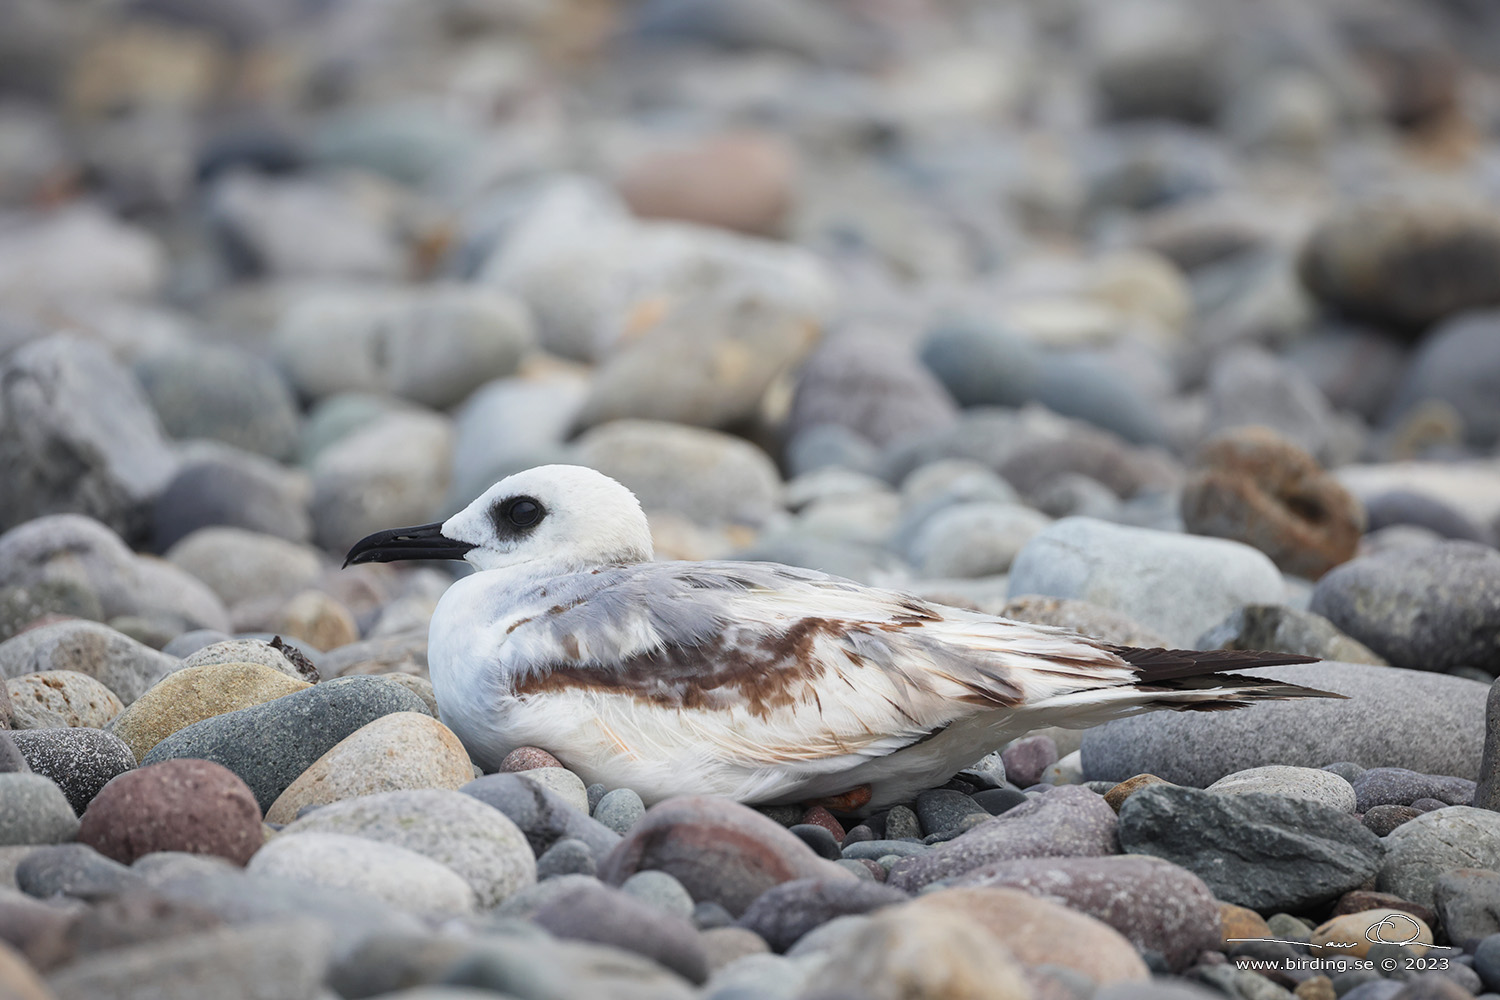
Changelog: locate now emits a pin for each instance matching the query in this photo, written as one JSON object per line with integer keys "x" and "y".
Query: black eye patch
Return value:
{"x": 517, "y": 515}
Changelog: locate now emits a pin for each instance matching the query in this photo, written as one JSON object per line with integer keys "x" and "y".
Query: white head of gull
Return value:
{"x": 763, "y": 682}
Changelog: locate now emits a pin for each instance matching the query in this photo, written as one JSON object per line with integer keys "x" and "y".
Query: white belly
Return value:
{"x": 620, "y": 740}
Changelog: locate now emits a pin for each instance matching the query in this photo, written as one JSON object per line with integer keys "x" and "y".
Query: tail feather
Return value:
{"x": 1214, "y": 692}
{"x": 1157, "y": 664}
{"x": 1189, "y": 680}
{"x": 1180, "y": 680}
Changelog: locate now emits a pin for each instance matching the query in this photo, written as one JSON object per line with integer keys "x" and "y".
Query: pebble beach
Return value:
{"x": 1173, "y": 322}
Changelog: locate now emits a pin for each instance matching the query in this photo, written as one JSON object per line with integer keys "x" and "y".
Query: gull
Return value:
{"x": 766, "y": 683}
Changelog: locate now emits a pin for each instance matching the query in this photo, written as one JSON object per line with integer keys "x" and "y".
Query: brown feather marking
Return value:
{"x": 517, "y": 624}
{"x": 714, "y": 674}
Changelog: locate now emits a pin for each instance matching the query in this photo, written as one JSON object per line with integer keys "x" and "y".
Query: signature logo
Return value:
{"x": 1394, "y": 928}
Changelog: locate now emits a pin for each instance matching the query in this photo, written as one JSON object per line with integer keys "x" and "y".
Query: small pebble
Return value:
{"x": 526, "y": 758}
{"x": 998, "y": 800}
{"x": 1117, "y": 795}
{"x": 818, "y": 816}
{"x": 819, "y": 839}
{"x": 35, "y": 812}
{"x": 902, "y": 823}
{"x": 709, "y": 915}
{"x": 658, "y": 889}
{"x": 942, "y": 810}
{"x": 619, "y": 809}
{"x": 1027, "y": 758}
{"x": 566, "y": 857}
{"x": 1383, "y": 819}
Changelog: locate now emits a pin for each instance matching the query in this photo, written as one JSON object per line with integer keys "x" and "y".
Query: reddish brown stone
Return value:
{"x": 1256, "y": 487}
{"x": 721, "y": 851}
{"x": 1360, "y": 900}
{"x": 848, "y": 802}
{"x": 527, "y": 758}
{"x": 818, "y": 816}
{"x": 1117, "y": 795}
{"x": 187, "y": 804}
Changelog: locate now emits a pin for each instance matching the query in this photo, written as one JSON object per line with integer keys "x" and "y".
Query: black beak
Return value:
{"x": 424, "y": 541}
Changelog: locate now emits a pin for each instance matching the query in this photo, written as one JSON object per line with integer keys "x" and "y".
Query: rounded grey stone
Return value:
{"x": 872, "y": 384}
{"x": 1065, "y": 822}
{"x": 968, "y": 540}
{"x": 1389, "y": 718}
{"x": 79, "y": 551}
{"x": 709, "y": 477}
{"x": 77, "y": 435}
{"x": 1266, "y": 852}
{"x": 233, "y": 488}
{"x": 1089, "y": 388}
{"x": 284, "y": 959}
{"x": 983, "y": 365}
{"x": 1178, "y": 585}
{"x": 542, "y": 814}
{"x": 75, "y": 870}
{"x": 660, "y": 890}
{"x": 456, "y": 830}
{"x": 126, "y": 667}
{"x": 271, "y": 744}
{"x": 432, "y": 344}
{"x": 605, "y": 915}
{"x": 1459, "y": 364}
{"x": 566, "y": 857}
{"x": 33, "y": 810}
{"x": 619, "y": 809}
{"x": 400, "y": 877}
{"x": 221, "y": 393}
{"x": 392, "y": 471}
{"x": 1425, "y": 608}
{"x": 1286, "y": 630}
{"x": 1421, "y": 850}
{"x": 1306, "y": 783}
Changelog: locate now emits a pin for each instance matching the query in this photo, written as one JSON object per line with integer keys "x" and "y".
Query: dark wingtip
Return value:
{"x": 1156, "y": 663}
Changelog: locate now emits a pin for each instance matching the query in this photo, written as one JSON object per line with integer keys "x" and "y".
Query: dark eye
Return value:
{"x": 523, "y": 512}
